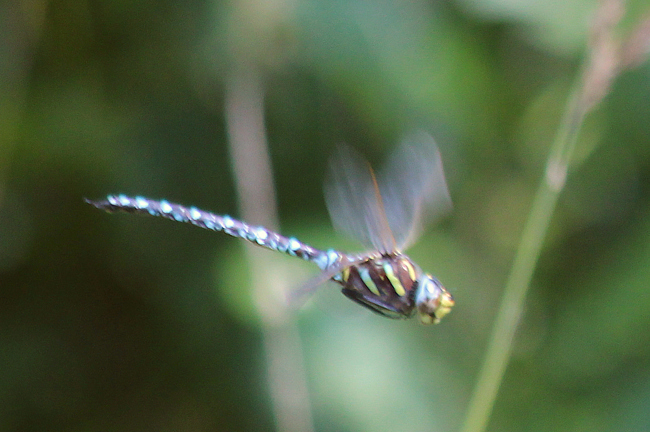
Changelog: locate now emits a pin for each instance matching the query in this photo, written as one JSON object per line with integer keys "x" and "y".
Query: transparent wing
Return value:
{"x": 299, "y": 296}
{"x": 413, "y": 187}
{"x": 354, "y": 201}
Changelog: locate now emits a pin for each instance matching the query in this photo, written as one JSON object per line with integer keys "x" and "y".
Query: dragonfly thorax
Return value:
{"x": 385, "y": 284}
{"x": 392, "y": 286}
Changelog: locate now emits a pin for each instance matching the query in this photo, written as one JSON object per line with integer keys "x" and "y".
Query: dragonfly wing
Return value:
{"x": 413, "y": 187}
{"x": 354, "y": 201}
{"x": 296, "y": 298}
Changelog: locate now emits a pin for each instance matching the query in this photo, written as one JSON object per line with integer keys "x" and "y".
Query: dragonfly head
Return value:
{"x": 432, "y": 300}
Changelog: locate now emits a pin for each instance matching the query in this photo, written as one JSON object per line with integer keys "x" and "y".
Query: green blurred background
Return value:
{"x": 121, "y": 323}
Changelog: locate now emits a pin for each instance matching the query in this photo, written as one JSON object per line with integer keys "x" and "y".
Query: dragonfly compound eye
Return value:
{"x": 432, "y": 300}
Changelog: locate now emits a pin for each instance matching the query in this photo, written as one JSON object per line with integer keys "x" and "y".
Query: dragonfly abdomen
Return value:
{"x": 255, "y": 234}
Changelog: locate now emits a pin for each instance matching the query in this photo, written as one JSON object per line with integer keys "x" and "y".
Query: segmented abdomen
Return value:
{"x": 236, "y": 228}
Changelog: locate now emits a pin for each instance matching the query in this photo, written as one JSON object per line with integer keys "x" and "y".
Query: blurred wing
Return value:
{"x": 413, "y": 187}
{"x": 354, "y": 202}
{"x": 296, "y": 298}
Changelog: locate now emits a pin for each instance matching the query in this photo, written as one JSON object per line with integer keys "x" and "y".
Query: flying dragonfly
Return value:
{"x": 386, "y": 213}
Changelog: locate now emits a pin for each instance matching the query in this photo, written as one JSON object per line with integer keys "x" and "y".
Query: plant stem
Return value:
{"x": 523, "y": 267}
{"x": 286, "y": 375}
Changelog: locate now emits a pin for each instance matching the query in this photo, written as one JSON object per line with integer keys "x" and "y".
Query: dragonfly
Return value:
{"x": 385, "y": 212}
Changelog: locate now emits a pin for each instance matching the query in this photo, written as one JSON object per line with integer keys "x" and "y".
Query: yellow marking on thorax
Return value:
{"x": 365, "y": 277}
{"x": 409, "y": 268}
{"x": 345, "y": 274}
{"x": 395, "y": 282}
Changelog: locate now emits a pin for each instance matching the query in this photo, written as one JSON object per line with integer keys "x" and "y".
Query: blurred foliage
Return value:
{"x": 125, "y": 323}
